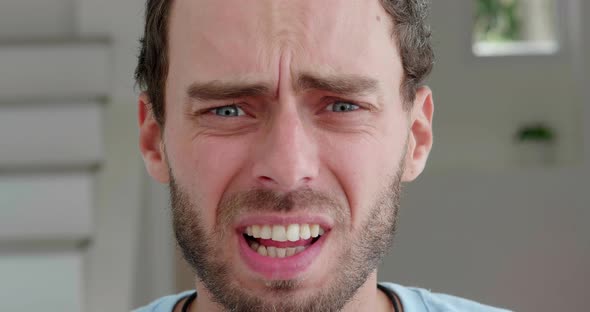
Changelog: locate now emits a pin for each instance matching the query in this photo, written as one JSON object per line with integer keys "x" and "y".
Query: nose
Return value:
{"x": 287, "y": 155}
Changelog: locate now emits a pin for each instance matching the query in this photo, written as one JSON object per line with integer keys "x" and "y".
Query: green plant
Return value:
{"x": 535, "y": 133}
{"x": 497, "y": 20}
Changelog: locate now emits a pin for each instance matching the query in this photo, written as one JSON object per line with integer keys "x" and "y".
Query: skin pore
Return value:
{"x": 289, "y": 98}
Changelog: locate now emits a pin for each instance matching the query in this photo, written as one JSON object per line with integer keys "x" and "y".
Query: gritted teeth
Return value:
{"x": 282, "y": 233}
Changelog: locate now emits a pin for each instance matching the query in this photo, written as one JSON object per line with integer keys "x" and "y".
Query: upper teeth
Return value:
{"x": 281, "y": 233}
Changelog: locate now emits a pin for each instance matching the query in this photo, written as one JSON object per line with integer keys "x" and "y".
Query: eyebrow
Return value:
{"x": 218, "y": 90}
{"x": 339, "y": 84}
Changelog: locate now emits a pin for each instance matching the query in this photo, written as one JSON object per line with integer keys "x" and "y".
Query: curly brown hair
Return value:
{"x": 410, "y": 31}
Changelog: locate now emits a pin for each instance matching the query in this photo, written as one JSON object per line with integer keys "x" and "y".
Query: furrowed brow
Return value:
{"x": 345, "y": 85}
{"x": 218, "y": 90}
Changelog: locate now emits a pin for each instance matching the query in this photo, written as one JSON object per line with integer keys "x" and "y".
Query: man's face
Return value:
{"x": 285, "y": 116}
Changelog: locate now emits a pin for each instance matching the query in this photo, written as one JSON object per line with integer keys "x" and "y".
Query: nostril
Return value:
{"x": 267, "y": 182}
{"x": 270, "y": 182}
{"x": 265, "y": 179}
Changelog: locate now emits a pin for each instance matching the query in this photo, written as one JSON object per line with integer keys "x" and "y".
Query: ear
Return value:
{"x": 420, "y": 136}
{"x": 151, "y": 142}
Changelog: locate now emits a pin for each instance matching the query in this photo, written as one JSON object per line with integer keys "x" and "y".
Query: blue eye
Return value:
{"x": 340, "y": 106}
{"x": 228, "y": 111}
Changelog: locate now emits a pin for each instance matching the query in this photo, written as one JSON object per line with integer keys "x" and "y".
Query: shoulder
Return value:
{"x": 164, "y": 304}
{"x": 418, "y": 299}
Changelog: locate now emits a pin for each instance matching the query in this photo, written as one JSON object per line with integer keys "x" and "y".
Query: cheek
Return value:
{"x": 205, "y": 168}
{"x": 363, "y": 167}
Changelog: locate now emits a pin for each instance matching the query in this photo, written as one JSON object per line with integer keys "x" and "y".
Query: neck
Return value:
{"x": 367, "y": 298}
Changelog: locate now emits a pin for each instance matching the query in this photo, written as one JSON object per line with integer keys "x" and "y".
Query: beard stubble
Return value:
{"x": 356, "y": 261}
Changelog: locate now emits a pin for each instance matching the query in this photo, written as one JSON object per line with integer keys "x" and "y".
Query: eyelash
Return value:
{"x": 325, "y": 107}
{"x": 233, "y": 106}
{"x": 344, "y": 102}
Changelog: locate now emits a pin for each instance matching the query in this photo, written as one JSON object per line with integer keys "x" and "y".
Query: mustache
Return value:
{"x": 269, "y": 201}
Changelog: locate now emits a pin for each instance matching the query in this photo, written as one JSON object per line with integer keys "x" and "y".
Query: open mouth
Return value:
{"x": 282, "y": 241}
{"x": 280, "y": 248}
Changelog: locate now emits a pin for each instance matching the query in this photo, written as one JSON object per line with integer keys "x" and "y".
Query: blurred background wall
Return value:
{"x": 83, "y": 228}
{"x": 71, "y": 176}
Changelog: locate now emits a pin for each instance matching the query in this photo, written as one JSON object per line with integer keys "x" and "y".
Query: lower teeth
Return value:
{"x": 275, "y": 252}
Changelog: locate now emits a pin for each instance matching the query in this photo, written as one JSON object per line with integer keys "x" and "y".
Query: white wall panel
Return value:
{"x": 45, "y": 207}
{"x": 53, "y": 70}
{"x": 118, "y": 192}
{"x": 34, "y": 18}
{"x": 49, "y": 281}
{"x": 42, "y": 136}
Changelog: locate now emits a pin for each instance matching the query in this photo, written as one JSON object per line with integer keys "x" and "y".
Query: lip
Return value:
{"x": 280, "y": 268}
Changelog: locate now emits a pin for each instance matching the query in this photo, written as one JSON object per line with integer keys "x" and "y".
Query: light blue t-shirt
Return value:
{"x": 412, "y": 300}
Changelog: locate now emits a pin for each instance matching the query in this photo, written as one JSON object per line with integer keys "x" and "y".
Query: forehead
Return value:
{"x": 236, "y": 39}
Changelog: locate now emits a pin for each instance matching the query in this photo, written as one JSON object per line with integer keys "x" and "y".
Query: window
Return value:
{"x": 514, "y": 27}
